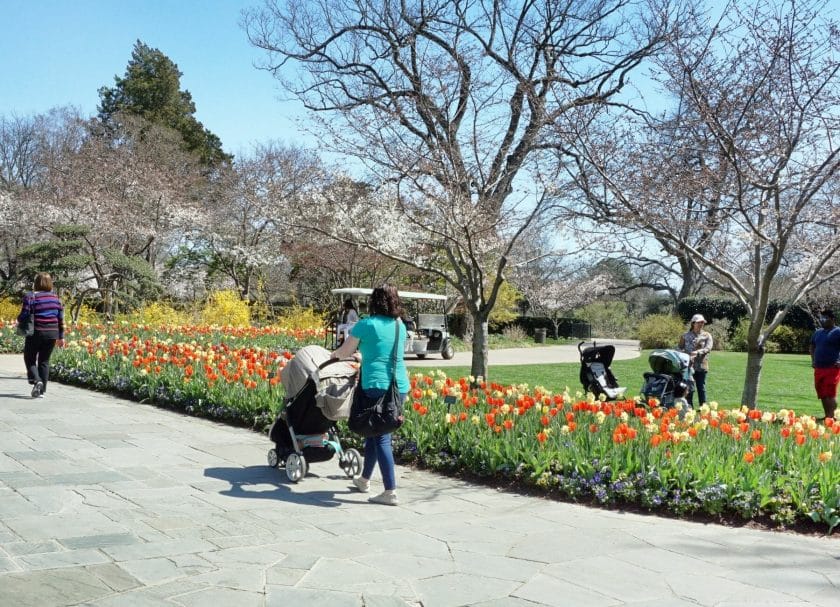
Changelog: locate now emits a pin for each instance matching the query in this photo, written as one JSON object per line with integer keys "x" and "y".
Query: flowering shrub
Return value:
{"x": 156, "y": 314}
{"x": 298, "y": 317}
{"x": 226, "y": 308}
{"x": 9, "y": 309}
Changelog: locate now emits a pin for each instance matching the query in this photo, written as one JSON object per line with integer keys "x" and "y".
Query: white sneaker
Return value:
{"x": 389, "y": 498}
{"x": 36, "y": 389}
{"x": 362, "y": 484}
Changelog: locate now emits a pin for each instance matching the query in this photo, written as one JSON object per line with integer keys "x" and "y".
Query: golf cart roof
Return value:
{"x": 356, "y": 292}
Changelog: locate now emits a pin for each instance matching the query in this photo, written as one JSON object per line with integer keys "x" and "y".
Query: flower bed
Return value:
{"x": 214, "y": 374}
{"x": 773, "y": 466}
{"x": 717, "y": 462}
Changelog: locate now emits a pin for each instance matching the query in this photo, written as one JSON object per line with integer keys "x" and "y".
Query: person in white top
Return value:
{"x": 349, "y": 317}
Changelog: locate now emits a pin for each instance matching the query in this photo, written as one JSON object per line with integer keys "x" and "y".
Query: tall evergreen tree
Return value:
{"x": 151, "y": 88}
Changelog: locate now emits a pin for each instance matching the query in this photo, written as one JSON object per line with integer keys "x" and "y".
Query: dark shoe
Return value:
{"x": 36, "y": 389}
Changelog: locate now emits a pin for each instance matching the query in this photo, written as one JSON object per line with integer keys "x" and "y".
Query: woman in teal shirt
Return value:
{"x": 374, "y": 336}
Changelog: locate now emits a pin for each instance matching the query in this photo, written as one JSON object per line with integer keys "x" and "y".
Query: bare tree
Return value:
{"x": 450, "y": 102}
{"x": 753, "y": 147}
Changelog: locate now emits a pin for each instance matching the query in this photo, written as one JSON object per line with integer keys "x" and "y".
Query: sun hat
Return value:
{"x": 697, "y": 318}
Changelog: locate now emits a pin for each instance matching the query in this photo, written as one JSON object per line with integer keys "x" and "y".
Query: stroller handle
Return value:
{"x": 583, "y": 342}
{"x": 332, "y": 361}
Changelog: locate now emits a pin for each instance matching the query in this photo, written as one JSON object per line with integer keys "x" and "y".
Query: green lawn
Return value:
{"x": 786, "y": 380}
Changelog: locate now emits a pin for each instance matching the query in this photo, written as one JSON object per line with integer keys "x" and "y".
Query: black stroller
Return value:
{"x": 595, "y": 373}
{"x": 319, "y": 392}
{"x": 670, "y": 377}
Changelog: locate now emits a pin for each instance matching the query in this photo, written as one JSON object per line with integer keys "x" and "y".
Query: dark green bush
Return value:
{"x": 791, "y": 340}
{"x": 798, "y": 317}
{"x": 720, "y": 328}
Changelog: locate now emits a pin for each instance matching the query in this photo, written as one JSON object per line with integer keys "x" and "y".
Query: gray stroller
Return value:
{"x": 670, "y": 377}
{"x": 319, "y": 392}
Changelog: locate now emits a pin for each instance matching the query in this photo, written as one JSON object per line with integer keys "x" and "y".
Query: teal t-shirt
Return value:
{"x": 376, "y": 344}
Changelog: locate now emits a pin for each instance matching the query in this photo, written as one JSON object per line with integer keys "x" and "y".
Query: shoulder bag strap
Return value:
{"x": 394, "y": 351}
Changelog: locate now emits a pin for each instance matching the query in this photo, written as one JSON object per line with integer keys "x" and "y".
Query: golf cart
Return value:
{"x": 427, "y": 333}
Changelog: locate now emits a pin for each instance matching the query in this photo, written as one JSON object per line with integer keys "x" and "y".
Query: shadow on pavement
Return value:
{"x": 241, "y": 479}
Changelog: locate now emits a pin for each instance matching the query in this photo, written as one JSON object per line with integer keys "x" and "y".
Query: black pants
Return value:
{"x": 700, "y": 387}
{"x": 36, "y": 355}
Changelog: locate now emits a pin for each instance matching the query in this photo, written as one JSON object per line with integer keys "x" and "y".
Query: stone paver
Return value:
{"x": 104, "y": 502}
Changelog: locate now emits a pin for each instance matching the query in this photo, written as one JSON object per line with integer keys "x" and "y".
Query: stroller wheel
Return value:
{"x": 295, "y": 467}
{"x": 352, "y": 463}
{"x": 273, "y": 458}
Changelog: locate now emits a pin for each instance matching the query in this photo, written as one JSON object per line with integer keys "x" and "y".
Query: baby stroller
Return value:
{"x": 319, "y": 392}
{"x": 595, "y": 373}
{"x": 670, "y": 378}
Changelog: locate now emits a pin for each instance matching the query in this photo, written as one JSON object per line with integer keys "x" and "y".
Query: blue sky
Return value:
{"x": 56, "y": 52}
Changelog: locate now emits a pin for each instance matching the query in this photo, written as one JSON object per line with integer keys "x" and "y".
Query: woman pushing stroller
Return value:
{"x": 697, "y": 343}
{"x": 375, "y": 337}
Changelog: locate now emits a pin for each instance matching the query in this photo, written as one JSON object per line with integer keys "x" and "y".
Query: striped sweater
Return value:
{"x": 49, "y": 313}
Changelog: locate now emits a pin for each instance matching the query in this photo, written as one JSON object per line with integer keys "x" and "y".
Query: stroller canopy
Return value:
{"x": 597, "y": 354}
{"x": 668, "y": 361}
{"x": 334, "y": 381}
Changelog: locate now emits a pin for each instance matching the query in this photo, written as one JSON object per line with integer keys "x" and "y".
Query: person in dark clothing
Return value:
{"x": 49, "y": 331}
{"x": 825, "y": 358}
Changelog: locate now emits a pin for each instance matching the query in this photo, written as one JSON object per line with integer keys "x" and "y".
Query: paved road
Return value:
{"x": 105, "y": 502}
{"x": 624, "y": 349}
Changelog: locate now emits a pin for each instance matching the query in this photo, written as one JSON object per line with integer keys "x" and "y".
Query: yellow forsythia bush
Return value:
{"x": 9, "y": 309}
{"x": 86, "y": 314}
{"x": 299, "y": 318}
{"x": 226, "y": 308}
{"x": 158, "y": 314}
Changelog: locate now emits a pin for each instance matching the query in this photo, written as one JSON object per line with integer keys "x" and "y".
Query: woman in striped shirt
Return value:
{"x": 49, "y": 331}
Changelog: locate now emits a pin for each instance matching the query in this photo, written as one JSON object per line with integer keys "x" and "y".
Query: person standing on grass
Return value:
{"x": 375, "y": 336}
{"x": 49, "y": 331}
{"x": 825, "y": 358}
{"x": 697, "y": 343}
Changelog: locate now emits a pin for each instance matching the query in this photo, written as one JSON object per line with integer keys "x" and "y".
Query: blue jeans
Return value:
{"x": 378, "y": 450}
{"x": 700, "y": 386}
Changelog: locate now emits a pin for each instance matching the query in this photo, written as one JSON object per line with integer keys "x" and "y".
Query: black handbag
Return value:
{"x": 27, "y": 328}
{"x": 382, "y": 415}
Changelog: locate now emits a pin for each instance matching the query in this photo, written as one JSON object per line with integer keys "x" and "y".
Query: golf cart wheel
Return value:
{"x": 295, "y": 467}
{"x": 273, "y": 458}
{"x": 420, "y": 356}
{"x": 448, "y": 352}
{"x": 352, "y": 463}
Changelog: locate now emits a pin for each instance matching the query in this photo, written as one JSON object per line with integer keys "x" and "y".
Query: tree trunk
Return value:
{"x": 468, "y": 328}
{"x": 752, "y": 378}
{"x": 555, "y": 323}
{"x": 479, "y": 347}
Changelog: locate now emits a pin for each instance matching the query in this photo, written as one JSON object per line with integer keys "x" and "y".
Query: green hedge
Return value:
{"x": 798, "y": 317}
{"x": 568, "y": 327}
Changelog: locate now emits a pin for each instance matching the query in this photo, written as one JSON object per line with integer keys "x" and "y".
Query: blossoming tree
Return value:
{"x": 449, "y": 103}
{"x": 753, "y": 146}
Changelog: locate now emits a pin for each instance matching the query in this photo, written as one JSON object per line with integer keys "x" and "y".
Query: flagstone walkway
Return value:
{"x": 106, "y": 502}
